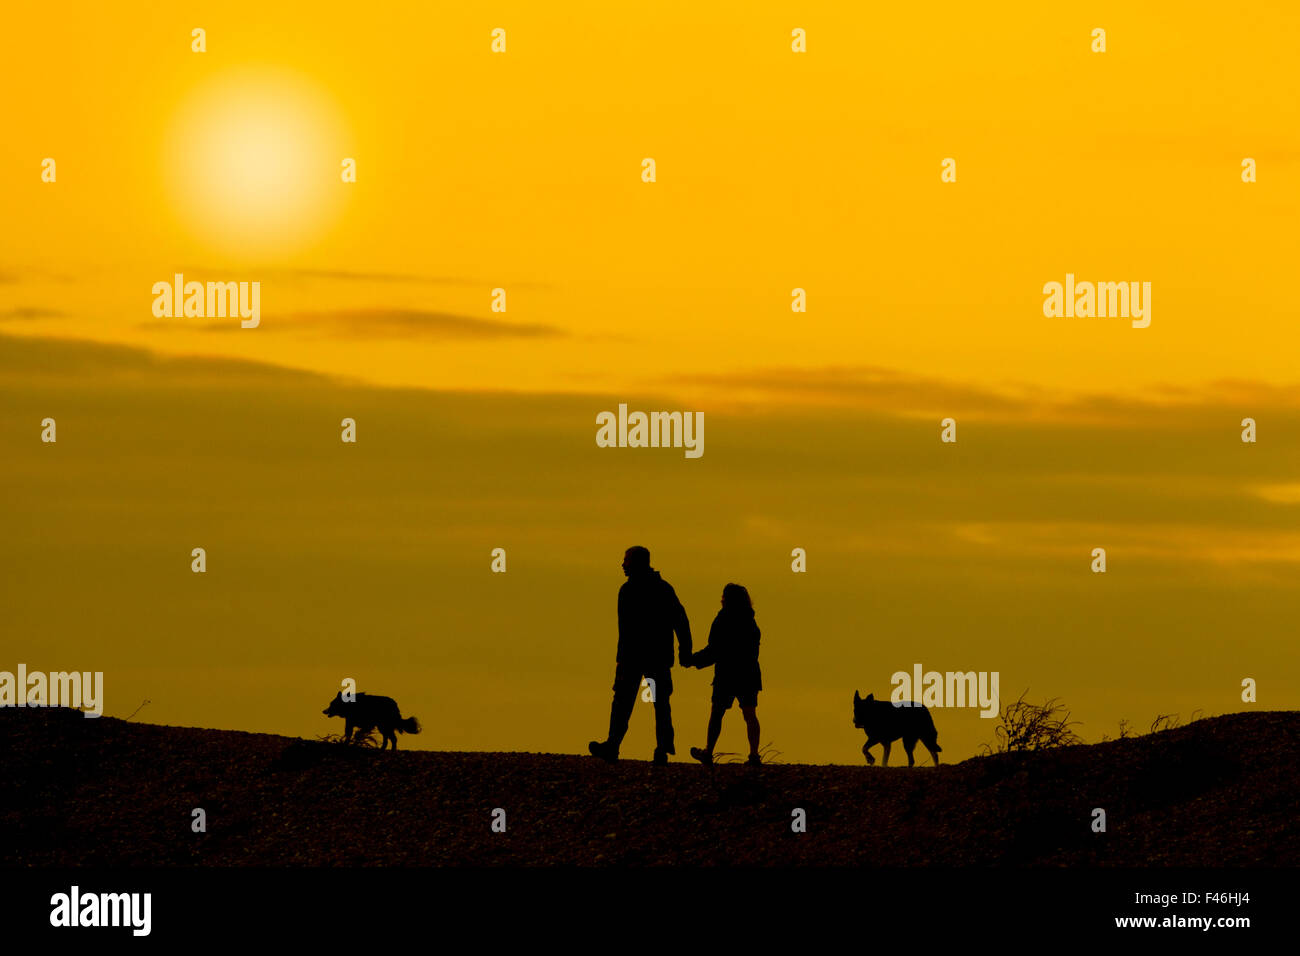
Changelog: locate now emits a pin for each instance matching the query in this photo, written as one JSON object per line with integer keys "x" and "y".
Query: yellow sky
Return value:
{"x": 775, "y": 170}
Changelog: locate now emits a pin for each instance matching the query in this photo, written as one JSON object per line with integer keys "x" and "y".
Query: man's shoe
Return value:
{"x": 660, "y": 756}
{"x": 703, "y": 756}
{"x": 603, "y": 750}
{"x": 754, "y": 761}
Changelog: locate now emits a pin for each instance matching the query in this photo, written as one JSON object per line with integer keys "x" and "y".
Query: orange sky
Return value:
{"x": 775, "y": 171}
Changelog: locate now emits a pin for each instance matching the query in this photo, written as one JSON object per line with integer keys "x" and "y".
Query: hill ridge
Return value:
{"x": 1217, "y": 792}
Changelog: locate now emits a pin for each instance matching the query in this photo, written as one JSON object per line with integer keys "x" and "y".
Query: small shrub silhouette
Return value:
{"x": 1125, "y": 731}
{"x": 1165, "y": 722}
{"x": 767, "y": 754}
{"x": 1023, "y": 727}
{"x": 143, "y": 704}
{"x": 1170, "y": 721}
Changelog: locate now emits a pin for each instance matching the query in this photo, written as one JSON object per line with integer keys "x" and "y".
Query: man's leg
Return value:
{"x": 663, "y": 711}
{"x": 627, "y": 681}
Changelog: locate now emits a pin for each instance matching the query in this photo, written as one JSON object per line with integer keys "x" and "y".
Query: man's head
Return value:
{"x": 636, "y": 559}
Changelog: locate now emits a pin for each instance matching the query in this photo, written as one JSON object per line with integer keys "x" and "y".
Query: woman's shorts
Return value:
{"x": 724, "y": 697}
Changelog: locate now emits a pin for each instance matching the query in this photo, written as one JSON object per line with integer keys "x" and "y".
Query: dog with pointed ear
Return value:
{"x": 884, "y": 722}
{"x": 858, "y": 701}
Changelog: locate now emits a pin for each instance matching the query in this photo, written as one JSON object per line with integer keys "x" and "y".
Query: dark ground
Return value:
{"x": 1218, "y": 792}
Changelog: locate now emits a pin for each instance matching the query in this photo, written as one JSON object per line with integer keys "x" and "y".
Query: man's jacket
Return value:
{"x": 648, "y": 614}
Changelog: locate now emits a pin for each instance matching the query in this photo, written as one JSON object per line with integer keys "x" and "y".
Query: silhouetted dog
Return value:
{"x": 369, "y": 711}
{"x": 884, "y": 723}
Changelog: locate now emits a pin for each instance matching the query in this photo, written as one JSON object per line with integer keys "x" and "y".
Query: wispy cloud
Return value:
{"x": 32, "y": 359}
{"x": 890, "y": 391}
{"x": 865, "y": 387}
{"x": 35, "y": 275}
{"x": 353, "y": 276}
{"x": 30, "y": 312}
{"x": 376, "y": 323}
{"x": 1284, "y": 493}
{"x": 418, "y": 323}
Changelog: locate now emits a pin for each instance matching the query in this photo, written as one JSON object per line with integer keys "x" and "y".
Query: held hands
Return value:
{"x": 687, "y": 659}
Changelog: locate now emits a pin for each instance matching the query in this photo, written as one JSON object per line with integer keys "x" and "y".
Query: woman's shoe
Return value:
{"x": 703, "y": 756}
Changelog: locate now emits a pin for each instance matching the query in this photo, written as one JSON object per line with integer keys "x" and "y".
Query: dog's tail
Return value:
{"x": 409, "y": 726}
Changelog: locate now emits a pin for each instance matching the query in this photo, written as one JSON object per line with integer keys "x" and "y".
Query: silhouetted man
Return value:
{"x": 648, "y": 614}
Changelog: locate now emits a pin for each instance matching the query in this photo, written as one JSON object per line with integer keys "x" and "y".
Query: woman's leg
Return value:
{"x": 715, "y": 726}
{"x": 751, "y": 725}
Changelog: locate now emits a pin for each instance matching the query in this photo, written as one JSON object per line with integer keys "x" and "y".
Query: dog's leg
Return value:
{"x": 884, "y": 760}
{"x": 866, "y": 750}
{"x": 909, "y": 746}
{"x": 347, "y": 733}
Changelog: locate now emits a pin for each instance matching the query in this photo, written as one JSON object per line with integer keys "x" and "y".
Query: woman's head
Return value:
{"x": 736, "y": 598}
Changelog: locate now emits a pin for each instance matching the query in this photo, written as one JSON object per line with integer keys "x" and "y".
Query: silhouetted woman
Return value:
{"x": 733, "y": 649}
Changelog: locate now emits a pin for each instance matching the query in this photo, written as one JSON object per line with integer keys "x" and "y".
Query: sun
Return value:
{"x": 253, "y": 162}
